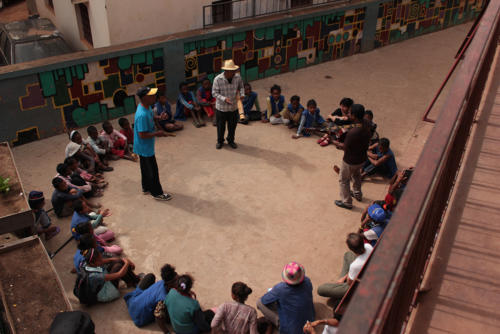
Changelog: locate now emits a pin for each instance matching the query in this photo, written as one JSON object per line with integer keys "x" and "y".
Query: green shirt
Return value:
{"x": 181, "y": 311}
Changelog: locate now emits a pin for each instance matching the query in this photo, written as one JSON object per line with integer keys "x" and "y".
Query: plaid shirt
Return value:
{"x": 222, "y": 89}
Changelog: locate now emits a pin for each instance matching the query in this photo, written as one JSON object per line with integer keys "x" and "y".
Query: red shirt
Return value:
{"x": 129, "y": 133}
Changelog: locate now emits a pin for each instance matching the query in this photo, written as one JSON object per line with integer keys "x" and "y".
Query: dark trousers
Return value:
{"x": 229, "y": 117}
{"x": 149, "y": 175}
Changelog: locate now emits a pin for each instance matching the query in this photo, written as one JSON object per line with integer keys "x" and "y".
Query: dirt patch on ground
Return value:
{"x": 31, "y": 290}
{"x": 13, "y": 201}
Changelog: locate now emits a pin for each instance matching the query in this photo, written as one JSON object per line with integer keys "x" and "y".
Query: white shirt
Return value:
{"x": 357, "y": 264}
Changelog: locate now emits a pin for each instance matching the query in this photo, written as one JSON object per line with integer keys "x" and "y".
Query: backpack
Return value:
{"x": 76, "y": 322}
{"x": 84, "y": 290}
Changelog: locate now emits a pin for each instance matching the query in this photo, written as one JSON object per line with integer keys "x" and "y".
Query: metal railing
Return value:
{"x": 236, "y": 10}
{"x": 387, "y": 292}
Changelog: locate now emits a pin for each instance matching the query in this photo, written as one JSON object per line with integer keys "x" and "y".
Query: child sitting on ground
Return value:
{"x": 369, "y": 117}
{"x": 99, "y": 145}
{"x": 85, "y": 154}
{"x": 83, "y": 214}
{"x": 64, "y": 196}
{"x": 249, "y": 101}
{"x": 293, "y": 112}
{"x": 162, "y": 108}
{"x": 310, "y": 121}
{"x": 94, "y": 180}
{"x": 381, "y": 161}
{"x": 43, "y": 225}
{"x": 86, "y": 228}
{"x": 64, "y": 172}
{"x": 187, "y": 105}
{"x": 206, "y": 100}
{"x": 117, "y": 142}
{"x": 127, "y": 131}
{"x": 338, "y": 123}
{"x": 275, "y": 106}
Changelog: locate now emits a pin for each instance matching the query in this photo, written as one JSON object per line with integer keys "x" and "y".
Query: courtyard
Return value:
{"x": 240, "y": 215}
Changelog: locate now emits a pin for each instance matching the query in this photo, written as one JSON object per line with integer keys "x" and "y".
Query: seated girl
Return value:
{"x": 184, "y": 310}
{"x": 236, "y": 316}
{"x": 65, "y": 173}
{"x": 106, "y": 273}
{"x": 84, "y": 154}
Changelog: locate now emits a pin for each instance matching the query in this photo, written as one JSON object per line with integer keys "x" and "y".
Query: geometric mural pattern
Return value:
{"x": 97, "y": 91}
{"x": 401, "y": 19}
{"x": 277, "y": 49}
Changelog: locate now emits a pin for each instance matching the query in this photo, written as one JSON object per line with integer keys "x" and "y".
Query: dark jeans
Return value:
{"x": 371, "y": 169}
{"x": 229, "y": 117}
{"x": 149, "y": 175}
{"x": 130, "y": 277}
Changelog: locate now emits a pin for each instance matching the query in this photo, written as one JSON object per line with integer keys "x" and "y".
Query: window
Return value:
{"x": 301, "y": 3}
{"x": 84, "y": 21}
{"x": 222, "y": 11}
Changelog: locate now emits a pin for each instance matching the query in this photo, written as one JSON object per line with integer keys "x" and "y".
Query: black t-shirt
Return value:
{"x": 338, "y": 113}
{"x": 356, "y": 144}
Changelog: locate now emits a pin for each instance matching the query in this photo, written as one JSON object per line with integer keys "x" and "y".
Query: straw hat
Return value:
{"x": 229, "y": 65}
{"x": 293, "y": 273}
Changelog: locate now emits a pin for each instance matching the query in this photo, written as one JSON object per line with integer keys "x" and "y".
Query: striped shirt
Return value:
{"x": 222, "y": 89}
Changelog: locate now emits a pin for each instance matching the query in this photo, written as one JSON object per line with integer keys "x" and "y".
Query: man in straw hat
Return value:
{"x": 289, "y": 304}
{"x": 227, "y": 88}
{"x": 144, "y": 143}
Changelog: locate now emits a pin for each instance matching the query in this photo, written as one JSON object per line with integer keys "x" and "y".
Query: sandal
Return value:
{"x": 322, "y": 139}
{"x": 325, "y": 142}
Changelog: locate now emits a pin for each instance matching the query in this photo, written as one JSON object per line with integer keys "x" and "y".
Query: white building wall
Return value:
{"x": 64, "y": 18}
{"x": 131, "y": 20}
{"x": 99, "y": 23}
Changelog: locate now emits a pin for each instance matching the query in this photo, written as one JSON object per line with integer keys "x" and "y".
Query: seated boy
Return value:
{"x": 369, "y": 117}
{"x": 275, "y": 106}
{"x": 43, "y": 225}
{"x": 310, "y": 120}
{"x": 82, "y": 214}
{"x": 127, "y": 131}
{"x": 117, "y": 141}
{"x": 86, "y": 228}
{"x": 166, "y": 121}
{"x": 84, "y": 154}
{"x": 293, "y": 112}
{"x": 141, "y": 302}
{"x": 64, "y": 196}
{"x": 339, "y": 122}
{"x": 98, "y": 144}
{"x": 249, "y": 101}
{"x": 381, "y": 161}
{"x": 64, "y": 172}
{"x": 206, "y": 100}
{"x": 188, "y": 105}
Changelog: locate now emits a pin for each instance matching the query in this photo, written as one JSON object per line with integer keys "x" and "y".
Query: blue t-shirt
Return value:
{"x": 144, "y": 122}
{"x": 142, "y": 303}
{"x": 295, "y": 305}
{"x": 392, "y": 168}
{"x": 77, "y": 260}
{"x": 76, "y": 220}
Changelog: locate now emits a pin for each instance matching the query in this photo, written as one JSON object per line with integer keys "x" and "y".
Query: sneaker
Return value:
{"x": 163, "y": 197}
{"x": 341, "y": 204}
{"x": 107, "y": 169}
{"x": 218, "y": 146}
{"x": 233, "y": 145}
{"x": 145, "y": 192}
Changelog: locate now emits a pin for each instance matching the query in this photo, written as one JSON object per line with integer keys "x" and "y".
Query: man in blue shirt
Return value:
{"x": 144, "y": 143}
{"x": 292, "y": 298}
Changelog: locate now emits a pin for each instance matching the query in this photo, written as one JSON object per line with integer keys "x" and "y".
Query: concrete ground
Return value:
{"x": 242, "y": 214}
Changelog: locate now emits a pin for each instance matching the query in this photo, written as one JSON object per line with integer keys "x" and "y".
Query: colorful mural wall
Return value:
{"x": 401, "y": 19}
{"x": 90, "y": 93}
{"x": 277, "y": 49}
